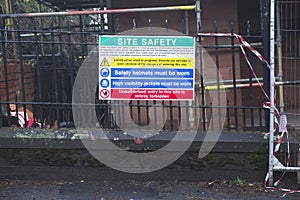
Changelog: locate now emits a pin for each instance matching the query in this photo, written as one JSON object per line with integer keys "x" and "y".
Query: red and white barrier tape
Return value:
{"x": 21, "y": 119}
{"x": 20, "y": 116}
{"x": 243, "y": 43}
{"x": 288, "y": 161}
{"x": 285, "y": 190}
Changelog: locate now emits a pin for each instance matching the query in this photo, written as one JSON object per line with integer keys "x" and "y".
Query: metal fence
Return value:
{"x": 286, "y": 60}
{"x": 41, "y": 56}
{"x": 288, "y": 56}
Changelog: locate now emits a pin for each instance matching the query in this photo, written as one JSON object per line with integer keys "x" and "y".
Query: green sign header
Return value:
{"x": 146, "y": 41}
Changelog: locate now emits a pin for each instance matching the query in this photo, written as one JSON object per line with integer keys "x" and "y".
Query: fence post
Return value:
{"x": 265, "y": 30}
{"x": 200, "y": 51}
{"x": 4, "y": 34}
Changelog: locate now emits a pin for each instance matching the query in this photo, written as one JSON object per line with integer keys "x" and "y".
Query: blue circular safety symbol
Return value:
{"x": 104, "y": 83}
{"x": 104, "y": 72}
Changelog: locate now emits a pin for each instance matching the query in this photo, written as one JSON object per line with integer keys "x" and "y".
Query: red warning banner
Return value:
{"x": 151, "y": 94}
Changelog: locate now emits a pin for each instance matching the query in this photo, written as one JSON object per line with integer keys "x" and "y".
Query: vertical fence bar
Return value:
{"x": 83, "y": 28}
{"x": 84, "y": 33}
{"x": 118, "y": 26}
{"x": 228, "y": 113}
{"x": 62, "y": 74}
{"x": 132, "y": 111}
{"x": 163, "y": 113}
{"x": 122, "y": 110}
{"x": 187, "y": 113}
{"x": 212, "y": 124}
{"x": 17, "y": 108}
{"x": 4, "y": 34}
{"x": 20, "y": 52}
{"x": 138, "y": 106}
{"x": 234, "y": 78}
{"x": 154, "y": 106}
{"x": 259, "y": 113}
{"x": 265, "y": 30}
{"x": 59, "y": 32}
{"x": 171, "y": 115}
{"x": 42, "y": 28}
{"x": 37, "y": 85}
{"x": 147, "y": 112}
{"x": 1, "y": 112}
{"x": 179, "y": 115}
{"x": 199, "y": 51}
{"x": 218, "y": 75}
{"x": 133, "y": 26}
{"x": 101, "y": 4}
{"x": 70, "y": 61}
{"x": 250, "y": 82}
{"x": 54, "y": 72}
{"x": 150, "y": 25}
{"x": 203, "y": 106}
{"x": 110, "y": 17}
{"x": 244, "y": 113}
{"x": 183, "y": 30}
{"x": 196, "y": 114}
{"x": 166, "y": 25}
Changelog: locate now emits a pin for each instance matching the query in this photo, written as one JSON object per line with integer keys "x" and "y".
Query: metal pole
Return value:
{"x": 272, "y": 85}
{"x": 223, "y": 87}
{"x": 186, "y": 21}
{"x": 89, "y": 12}
{"x": 199, "y": 50}
{"x": 279, "y": 57}
{"x": 265, "y": 30}
{"x": 198, "y": 15}
{"x": 110, "y": 17}
{"x": 5, "y": 64}
{"x": 191, "y": 113}
{"x": 248, "y": 85}
{"x": 8, "y": 10}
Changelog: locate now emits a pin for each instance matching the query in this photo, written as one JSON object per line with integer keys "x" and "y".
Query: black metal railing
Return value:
{"x": 53, "y": 49}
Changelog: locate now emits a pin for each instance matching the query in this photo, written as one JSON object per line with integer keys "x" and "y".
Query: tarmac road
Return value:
{"x": 79, "y": 183}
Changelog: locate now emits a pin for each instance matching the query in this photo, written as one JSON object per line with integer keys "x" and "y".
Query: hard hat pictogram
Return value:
{"x": 104, "y": 72}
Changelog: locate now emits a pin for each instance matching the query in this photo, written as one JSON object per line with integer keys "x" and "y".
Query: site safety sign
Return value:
{"x": 146, "y": 67}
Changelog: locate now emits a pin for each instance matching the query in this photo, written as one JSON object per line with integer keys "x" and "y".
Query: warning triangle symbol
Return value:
{"x": 104, "y": 62}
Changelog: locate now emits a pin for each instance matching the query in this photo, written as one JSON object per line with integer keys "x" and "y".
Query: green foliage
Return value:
{"x": 28, "y": 6}
{"x": 239, "y": 181}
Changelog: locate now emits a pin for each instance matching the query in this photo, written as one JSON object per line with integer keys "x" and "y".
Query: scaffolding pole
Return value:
{"x": 8, "y": 11}
{"x": 279, "y": 57}
{"x": 247, "y": 85}
{"x": 272, "y": 91}
{"x": 109, "y": 11}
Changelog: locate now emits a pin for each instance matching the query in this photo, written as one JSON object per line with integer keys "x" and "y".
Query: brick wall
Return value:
{"x": 14, "y": 78}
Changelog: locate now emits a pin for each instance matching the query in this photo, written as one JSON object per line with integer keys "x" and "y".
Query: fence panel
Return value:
{"x": 288, "y": 57}
{"x": 42, "y": 55}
